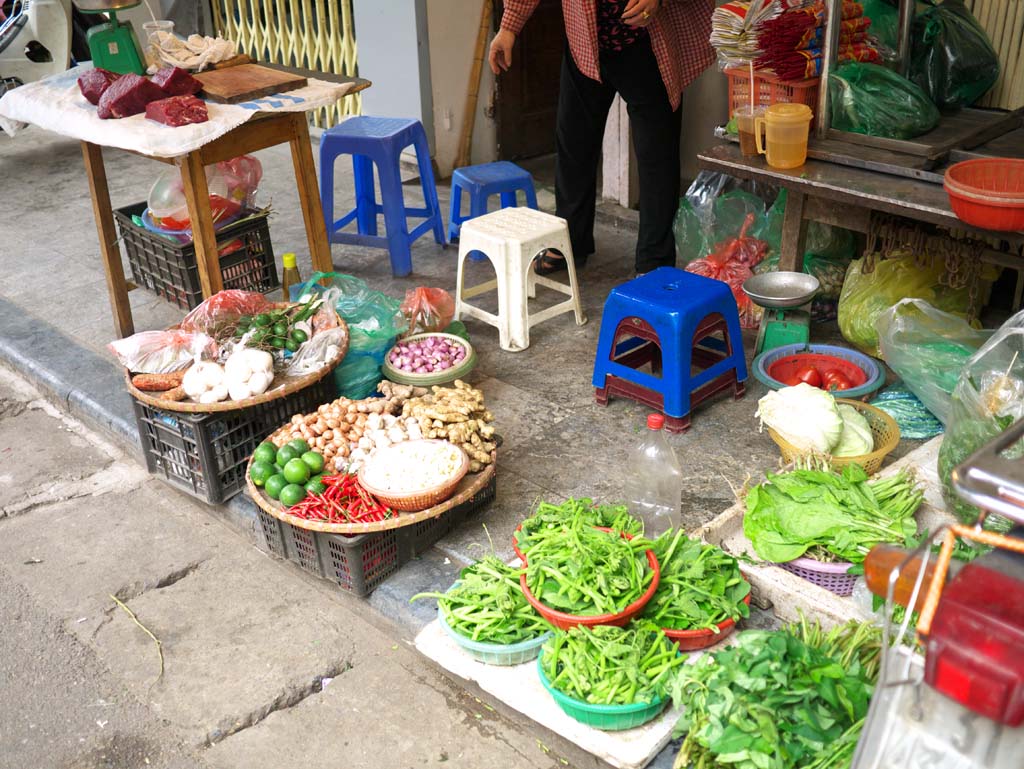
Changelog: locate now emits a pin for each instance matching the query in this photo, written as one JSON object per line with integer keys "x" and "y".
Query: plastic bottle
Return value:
{"x": 654, "y": 481}
{"x": 290, "y": 277}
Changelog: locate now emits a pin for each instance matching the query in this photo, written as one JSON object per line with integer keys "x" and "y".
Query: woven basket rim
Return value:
{"x": 871, "y": 413}
{"x": 291, "y": 385}
{"x": 397, "y": 499}
{"x": 810, "y": 564}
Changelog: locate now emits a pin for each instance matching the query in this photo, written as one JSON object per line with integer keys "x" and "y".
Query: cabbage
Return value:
{"x": 805, "y": 416}
{"x": 856, "y": 439}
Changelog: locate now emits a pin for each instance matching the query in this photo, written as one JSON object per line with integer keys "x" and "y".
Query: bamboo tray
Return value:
{"x": 470, "y": 485}
{"x": 282, "y": 385}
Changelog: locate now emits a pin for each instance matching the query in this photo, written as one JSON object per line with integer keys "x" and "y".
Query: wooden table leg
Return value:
{"x": 117, "y": 288}
{"x": 197, "y": 196}
{"x": 309, "y": 195}
{"x": 794, "y": 233}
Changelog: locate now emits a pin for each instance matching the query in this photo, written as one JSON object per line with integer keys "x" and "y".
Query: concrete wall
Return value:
{"x": 705, "y": 106}
{"x": 452, "y": 27}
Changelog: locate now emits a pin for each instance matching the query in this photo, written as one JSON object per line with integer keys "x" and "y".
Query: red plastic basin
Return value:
{"x": 785, "y": 368}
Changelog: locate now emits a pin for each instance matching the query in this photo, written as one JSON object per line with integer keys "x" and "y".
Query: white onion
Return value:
{"x": 428, "y": 355}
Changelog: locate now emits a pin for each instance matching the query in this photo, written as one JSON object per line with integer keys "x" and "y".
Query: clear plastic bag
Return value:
{"x": 428, "y": 309}
{"x": 242, "y": 176}
{"x": 870, "y": 99}
{"x": 314, "y": 353}
{"x": 730, "y": 262}
{"x": 928, "y": 348}
{"x": 224, "y": 308}
{"x": 162, "y": 352}
{"x": 989, "y": 397}
{"x": 715, "y": 208}
{"x": 951, "y": 57}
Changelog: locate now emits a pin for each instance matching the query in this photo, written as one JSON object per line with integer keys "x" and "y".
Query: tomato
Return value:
{"x": 837, "y": 380}
{"x": 809, "y": 375}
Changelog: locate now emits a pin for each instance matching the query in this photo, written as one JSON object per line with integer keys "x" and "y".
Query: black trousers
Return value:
{"x": 583, "y": 106}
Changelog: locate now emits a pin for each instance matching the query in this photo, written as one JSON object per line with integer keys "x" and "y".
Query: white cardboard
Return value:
{"x": 56, "y": 104}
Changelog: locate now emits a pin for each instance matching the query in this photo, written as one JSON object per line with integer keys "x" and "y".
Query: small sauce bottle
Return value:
{"x": 290, "y": 277}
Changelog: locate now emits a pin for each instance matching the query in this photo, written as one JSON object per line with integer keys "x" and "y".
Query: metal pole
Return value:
{"x": 829, "y": 55}
{"x": 906, "y": 21}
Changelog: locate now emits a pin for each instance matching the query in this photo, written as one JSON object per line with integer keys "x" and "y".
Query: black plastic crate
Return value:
{"x": 206, "y": 454}
{"x": 360, "y": 563}
{"x": 169, "y": 268}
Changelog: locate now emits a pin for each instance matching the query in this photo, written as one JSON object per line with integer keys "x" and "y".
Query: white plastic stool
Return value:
{"x": 512, "y": 238}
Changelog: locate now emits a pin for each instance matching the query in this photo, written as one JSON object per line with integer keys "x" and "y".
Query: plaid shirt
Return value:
{"x": 679, "y": 37}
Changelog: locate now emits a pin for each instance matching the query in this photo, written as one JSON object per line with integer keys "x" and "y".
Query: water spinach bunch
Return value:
{"x": 549, "y": 518}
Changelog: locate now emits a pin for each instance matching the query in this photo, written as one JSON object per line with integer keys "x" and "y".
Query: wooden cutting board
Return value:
{"x": 233, "y": 85}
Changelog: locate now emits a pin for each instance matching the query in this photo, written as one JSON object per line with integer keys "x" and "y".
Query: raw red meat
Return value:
{"x": 128, "y": 96}
{"x": 176, "y": 81}
{"x": 177, "y": 110}
{"x": 94, "y": 82}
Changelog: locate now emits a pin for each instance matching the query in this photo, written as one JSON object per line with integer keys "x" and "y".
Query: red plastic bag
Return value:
{"x": 428, "y": 309}
{"x": 161, "y": 352}
{"x": 730, "y": 262}
{"x": 224, "y": 307}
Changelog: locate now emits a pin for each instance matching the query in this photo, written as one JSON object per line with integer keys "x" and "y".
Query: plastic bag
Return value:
{"x": 223, "y": 308}
{"x": 866, "y": 295}
{"x": 870, "y": 99}
{"x": 885, "y": 24}
{"x": 315, "y": 352}
{"x": 989, "y": 397}
{"x": 242, "y": 176}
{"x": 169, "y": 210}
{"x": 713, "y": 209}
{"x": 161, "y": 352}
{"x": 928, "y": 348}
{"x": 357, "y": 376}
{"x": 913, "y": 418}
{"x": 373, "y": 318}
{"x": 730, "y": 262}
{"x": 427, "y": 309}
{"x": 951, "y": 57}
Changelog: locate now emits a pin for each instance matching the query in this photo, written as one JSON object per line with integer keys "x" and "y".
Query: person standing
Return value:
{"x": 648, "y": 52}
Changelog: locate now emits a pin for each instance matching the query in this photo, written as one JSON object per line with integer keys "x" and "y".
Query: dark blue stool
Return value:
{"x": 669, "y": 319}
{"x": 380, "y": 141}
{"x": 480, "y": 182}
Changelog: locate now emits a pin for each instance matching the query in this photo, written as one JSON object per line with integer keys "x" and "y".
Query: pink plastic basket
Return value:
{"x": 831, "y": 576}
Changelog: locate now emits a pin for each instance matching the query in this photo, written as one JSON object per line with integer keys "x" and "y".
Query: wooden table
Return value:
{"x": 846, "y": 197}
{"x": 262, "y": 131}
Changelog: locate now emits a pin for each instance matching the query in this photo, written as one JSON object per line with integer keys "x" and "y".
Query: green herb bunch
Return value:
{"x": 549, "y": 518}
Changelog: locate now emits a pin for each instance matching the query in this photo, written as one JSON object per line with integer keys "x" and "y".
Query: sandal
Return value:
{"x": 551, "y": 262}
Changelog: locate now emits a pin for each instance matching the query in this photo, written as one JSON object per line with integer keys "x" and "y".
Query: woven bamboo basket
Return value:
{"x": 282, "y": 385}
{"x": 418, "y": 500}
{"x": 884, "y": 431}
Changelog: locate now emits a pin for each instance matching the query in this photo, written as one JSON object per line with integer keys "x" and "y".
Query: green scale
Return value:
{"x": 784, "y": 297}
{"x": 113, "y": 45}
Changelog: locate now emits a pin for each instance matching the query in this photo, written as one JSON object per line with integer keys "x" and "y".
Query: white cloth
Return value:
{"x": 56, "y": 104}
{"x": 195, "y": 53}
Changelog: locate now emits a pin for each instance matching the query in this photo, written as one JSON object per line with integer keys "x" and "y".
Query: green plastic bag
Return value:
{"x": 713, "y": 210}
{"x": 373, "y": 318}
{"x": 885, "y": 23}
{"x": 870, "y": 99}
{"x": 989, "y": 397}
{"x": 951, "y": 57}
{"x": 915, "y": 421}
{"x": 928, "y": 348}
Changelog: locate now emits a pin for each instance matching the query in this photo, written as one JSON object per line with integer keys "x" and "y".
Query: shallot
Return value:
{"x": 427, "y": 355}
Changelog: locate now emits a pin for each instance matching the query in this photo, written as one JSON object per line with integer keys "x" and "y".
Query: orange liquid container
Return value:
{"x": 785, "y": 131}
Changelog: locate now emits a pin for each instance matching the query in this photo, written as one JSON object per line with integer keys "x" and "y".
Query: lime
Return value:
{"x": 299, "y": 335}
{"x": 287, "y": 453}
{"x": 291, "y": 345}
{"x": 240, "y": 331}
{"x": 263, "y": 319}
{"x": 281, "y": 329}
{"x": 314, "y": 459}
{"x": 313, "y": 486}
{"x": 292, "y": 494}
{"x": 298, "y": 445}
{"x": 274, "y": 485}
{"x": 277, "y": 342}
{"x": 260, "y": 471}
{"x": 265, "y": 452}
{"x": 296, "y": 471}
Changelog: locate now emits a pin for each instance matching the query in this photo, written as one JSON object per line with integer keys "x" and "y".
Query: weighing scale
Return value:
{"x": 113, "y": 45}
{"x": 784, "y": 296}
{"x": 961, "y": 705}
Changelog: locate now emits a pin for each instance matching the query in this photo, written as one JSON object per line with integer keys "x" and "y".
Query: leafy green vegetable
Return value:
{"x": 550, "y": 518}
{"x": 788, "y": 699}
{"x": 585, "y": 571}
{"x": 487, "y": 605}
{"x": 701, "y": 586}
{"x": 845, "y": 515}
{"x": 610, "y": 665}
{"x": 856, "y": 440}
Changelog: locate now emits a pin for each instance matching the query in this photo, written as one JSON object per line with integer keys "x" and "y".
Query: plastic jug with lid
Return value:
{"x": 786, "y": 128}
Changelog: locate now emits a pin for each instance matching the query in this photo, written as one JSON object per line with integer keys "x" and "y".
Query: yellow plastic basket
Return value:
{"x": 884, "y": 431}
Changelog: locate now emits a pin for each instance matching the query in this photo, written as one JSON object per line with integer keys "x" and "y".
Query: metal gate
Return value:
{"x": 313, "y": 34}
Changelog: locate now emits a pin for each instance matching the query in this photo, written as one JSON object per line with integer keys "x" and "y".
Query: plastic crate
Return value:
{"x": 206, "y": 454}
{"x": 169, "y": 268}
{"x": 360, "y": 563}
{"x": 769, "y": 90}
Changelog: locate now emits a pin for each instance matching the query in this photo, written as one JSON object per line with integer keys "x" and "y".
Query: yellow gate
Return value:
{"x": 312, "y": 34}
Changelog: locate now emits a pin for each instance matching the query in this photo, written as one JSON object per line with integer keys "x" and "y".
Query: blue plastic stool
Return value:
{"x": 482, "y": 181}
{"x": 380, "y": 141}
{"x": 667, "y": 318}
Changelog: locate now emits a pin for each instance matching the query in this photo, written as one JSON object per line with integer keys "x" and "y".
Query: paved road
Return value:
{"x": 263, "y": 668}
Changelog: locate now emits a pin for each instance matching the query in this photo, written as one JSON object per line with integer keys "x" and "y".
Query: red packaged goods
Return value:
{"x": 94, "y": 82}
{"x": 177, "y": 111}
{"x": 127, "y": 96}
{"x": 176, "y": 81}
